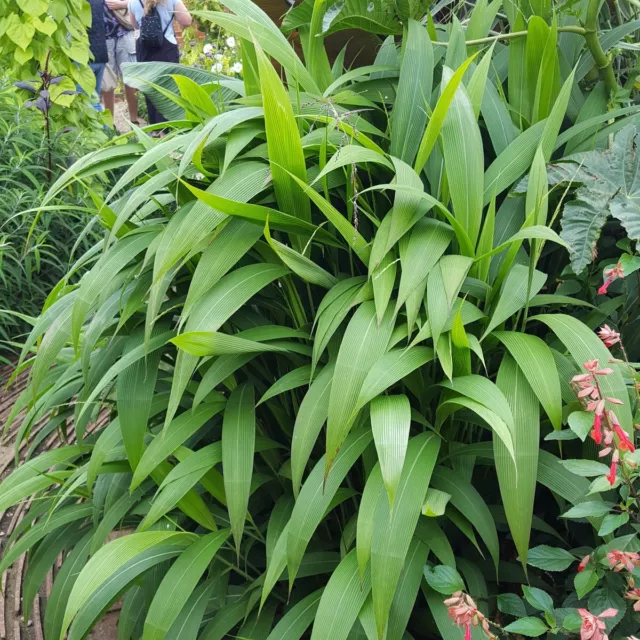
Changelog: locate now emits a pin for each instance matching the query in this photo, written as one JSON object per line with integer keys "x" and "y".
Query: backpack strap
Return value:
{"x": 164, "y": 31}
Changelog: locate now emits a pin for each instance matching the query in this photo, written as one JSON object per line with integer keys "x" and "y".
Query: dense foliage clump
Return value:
{"x": 349, "y": 383}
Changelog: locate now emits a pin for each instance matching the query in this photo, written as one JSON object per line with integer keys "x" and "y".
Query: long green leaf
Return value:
{"x": 238, "y": 445}
{"x": 467, "y": 500}
{"x": 109, "y": 559}
{"x": 283, "y": 141}
{"x": 517, "y": 478}
{"x": 312, "y": 414}
{"x": 365, "y": 340}
{"x": 409, "y": 116}
{"x": 464, "y": 161}
{"x": 341, "y": 601}
{"x": 390, "y": 423}
{"x": 393, "y": 530}
{"x": 536, "y": 362}
{"x": 316, "y": 495}
{"x": 178, "y": 584}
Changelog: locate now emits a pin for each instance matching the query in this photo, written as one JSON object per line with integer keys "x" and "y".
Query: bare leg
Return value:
{"x": 132, "y": 102}
{"x": 109, "y": 100}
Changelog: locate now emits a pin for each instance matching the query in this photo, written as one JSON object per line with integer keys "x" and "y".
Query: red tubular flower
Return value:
{"x": 603, "y": 289}
{"x": 611, "y": 477}
{"x": 625, "y": 443}
{"x": 596, "y": 434}
{"x": 611, "y": 274}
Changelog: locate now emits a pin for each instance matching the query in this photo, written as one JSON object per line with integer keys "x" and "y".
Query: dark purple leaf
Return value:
{"x": 69, "y": 93}
{"x": 44, "y": 94}
{"x": 56, "y": 80}
{"x": 25, "y": 85}
{"x": 42, "y": 104}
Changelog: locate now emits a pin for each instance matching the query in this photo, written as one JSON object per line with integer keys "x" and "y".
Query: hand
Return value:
{"x": 117, "y": 4}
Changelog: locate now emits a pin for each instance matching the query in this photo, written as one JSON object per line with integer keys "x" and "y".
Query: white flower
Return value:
{"x": 217, "y": 67}
{"x": 198, "y": 176}
{"x": 231, "y": 42}
{"x": 208, "y": 48}
{"x": 218, "y": 56}
{"x": 237, "y": 67}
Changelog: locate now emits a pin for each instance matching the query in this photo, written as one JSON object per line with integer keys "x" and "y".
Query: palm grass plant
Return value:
{"x": 324, "y": 323}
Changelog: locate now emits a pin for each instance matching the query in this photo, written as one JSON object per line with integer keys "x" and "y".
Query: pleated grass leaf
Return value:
{"x": 238, "y": 446}
{"x": 390, "y": 422}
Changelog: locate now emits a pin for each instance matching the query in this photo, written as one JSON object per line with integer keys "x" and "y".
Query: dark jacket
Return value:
{"x": 96, "y": 33}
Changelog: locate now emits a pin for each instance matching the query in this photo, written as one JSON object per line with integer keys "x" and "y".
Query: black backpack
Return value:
{"x": 151, "y": 31}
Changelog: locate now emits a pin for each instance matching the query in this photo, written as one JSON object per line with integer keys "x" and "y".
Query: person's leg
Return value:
{"x": 98, "y": 72}
{"x": 154, "y": 115}
{"x": 131, "y": 95}
{"x": 168, "y": 52}
{"x": 109, "y": 100}
{"x": 108, "y": 95}
{"x": 126, "y": 52}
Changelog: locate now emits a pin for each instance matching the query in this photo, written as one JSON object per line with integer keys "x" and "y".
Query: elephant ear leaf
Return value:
{"x": 604, "y": 189}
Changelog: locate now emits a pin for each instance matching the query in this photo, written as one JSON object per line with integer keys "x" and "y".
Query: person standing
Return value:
{"x": 121, "y": 47}
{"x": 98, "y": 46}
{"x": 165, "y": 47}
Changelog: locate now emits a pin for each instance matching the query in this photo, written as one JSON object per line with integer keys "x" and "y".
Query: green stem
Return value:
{"x": 590, "y": 34}
{"x": 602, "y": 60}
{"x": 517, "y": 34}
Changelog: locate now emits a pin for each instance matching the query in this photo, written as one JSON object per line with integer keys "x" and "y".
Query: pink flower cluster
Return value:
{"x": 608, "y": 336}
{"x": 464, "y": 613}
{"x": 606, "y": 427}
{"x": 634, "y": 594}
{"x": 593, "y": 627}
{"x": 621, "y": 560}
{"x": 611, "y": 274}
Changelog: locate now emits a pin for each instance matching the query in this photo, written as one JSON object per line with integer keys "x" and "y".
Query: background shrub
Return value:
{"x": 32, "y": 260}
